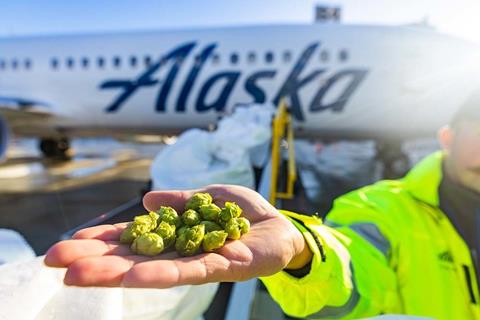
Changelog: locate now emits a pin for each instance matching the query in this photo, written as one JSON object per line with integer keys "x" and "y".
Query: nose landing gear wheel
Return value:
{"x": 55, "y": 148}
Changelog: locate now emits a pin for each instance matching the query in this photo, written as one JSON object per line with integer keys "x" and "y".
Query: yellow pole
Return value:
{"x": 281, "y": 121}
{"x": 277, "y": 134}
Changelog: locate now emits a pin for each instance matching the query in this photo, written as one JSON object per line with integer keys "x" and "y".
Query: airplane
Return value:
{"x": 347, "y": 81}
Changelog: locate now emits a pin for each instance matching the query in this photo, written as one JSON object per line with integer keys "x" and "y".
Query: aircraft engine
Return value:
{"x": 4, "y": 133}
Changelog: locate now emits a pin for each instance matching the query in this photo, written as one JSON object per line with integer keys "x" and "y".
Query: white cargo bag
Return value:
{"x": 226, "y": 155}
{"x": 30, "y": 290}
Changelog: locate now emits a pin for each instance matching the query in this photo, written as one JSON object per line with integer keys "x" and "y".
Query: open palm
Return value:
{"x": 95, "y": 257}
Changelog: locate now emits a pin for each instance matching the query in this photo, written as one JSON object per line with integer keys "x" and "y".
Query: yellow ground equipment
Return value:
{"x": 282, "y": 136}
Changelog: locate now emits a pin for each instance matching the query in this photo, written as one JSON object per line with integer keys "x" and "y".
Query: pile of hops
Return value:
{"x": 203, "y": 225}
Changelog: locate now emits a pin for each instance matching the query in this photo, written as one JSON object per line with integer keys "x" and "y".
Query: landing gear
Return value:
{"x": 55, "y": 148}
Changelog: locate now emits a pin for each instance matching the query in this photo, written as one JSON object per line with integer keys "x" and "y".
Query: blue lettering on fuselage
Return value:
{"x": 227, "y": 80}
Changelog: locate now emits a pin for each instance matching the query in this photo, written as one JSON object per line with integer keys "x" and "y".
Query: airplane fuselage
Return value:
{"x": 338, "y": 80}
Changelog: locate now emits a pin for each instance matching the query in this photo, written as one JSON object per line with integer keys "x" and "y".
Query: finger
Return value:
{"x": 163, "y": 271}
{"x": 204, "y": 268}
{"x": 106, "y": 232}
{"x": 105, "y": 271}
{"x": 176, "y": 199}
{"x": 66, "y": 252}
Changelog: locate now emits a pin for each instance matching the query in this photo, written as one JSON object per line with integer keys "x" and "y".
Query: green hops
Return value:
{"x": 190, "y": 218}
{"x": 197, "y": 200}
{"x": 231, "y": 210}
{"x": 148, "y": 244}
{"x": 233, "y": 229}
{"x": 140, "y": 225}
{"x": 214, "y": 240}
{"x": 211, "y": 226}
{"x": 244, "y": 224}
{"x": 189, "y": 242}
{"x": 210, "y": 211}
{"x": 202, "y": 226}
{"x": 167, "y": 232}
{"x": 170, "y": 216}
{"x": 181, "y": 230}
{"x": 131, "y": 232}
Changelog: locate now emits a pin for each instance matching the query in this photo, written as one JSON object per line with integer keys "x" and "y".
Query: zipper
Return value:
{"x": 468, "y": 278}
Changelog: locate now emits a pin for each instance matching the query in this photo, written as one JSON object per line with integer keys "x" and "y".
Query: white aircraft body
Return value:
{"x": 339, "y": 80}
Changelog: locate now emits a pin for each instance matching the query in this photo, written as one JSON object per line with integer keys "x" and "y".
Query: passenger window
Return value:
{"x": 251, "y": 57}
{"x": 324, "y": 56}
{"x": 85, "y": 63}
{"x": 2, "y": 64}
{"x": 343, "y": 55}
{"x": 197, "y": 60}
{"x": 116, "y": 62}
{"x": 287, "y": 56}
{"x": 14, "y": 64}
{"x": 100, "y": 62}
{"x": 269, "y": 57}
{"x": 234, "y": 58}
{"x": 28, "y": 64}
{"x": 70, "y": 63}
{"x": 216, "y": 59}
{"x": 148, "y": 61}
{"x": 133, "y": 61}
{"x": 179, "y": 60}
{"x": 54, "y": 63}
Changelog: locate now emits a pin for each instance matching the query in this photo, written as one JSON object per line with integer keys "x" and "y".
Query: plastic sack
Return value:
{"x": 30, "y": 290}
{"x": 14, "y": 247}
{"x": 330, "y": 170}
{"x": 199, "y": 158}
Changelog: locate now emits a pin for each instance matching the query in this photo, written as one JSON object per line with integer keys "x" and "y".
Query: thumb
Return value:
{"x": 176, "y": 199}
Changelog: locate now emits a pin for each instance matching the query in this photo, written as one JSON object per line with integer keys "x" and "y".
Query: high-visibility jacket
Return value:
{"x": 383, "y": 249}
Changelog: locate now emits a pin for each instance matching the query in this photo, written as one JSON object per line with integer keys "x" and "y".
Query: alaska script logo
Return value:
{"x": 228, "y": 78}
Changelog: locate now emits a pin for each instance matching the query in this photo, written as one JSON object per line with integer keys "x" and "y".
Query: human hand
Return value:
{"x": 95, "y": 257}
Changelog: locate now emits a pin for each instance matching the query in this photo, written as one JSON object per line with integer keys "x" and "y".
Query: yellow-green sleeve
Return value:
{"x": 350, "y": 274}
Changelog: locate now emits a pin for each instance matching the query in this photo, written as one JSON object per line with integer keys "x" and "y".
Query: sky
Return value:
{"x": 31, "y": 17}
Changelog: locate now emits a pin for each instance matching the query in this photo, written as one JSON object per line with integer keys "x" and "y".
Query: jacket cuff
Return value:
{"x": 311, "y": 292}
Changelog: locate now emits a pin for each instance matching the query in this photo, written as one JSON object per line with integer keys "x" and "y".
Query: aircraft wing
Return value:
{"x": 17, "y": 108}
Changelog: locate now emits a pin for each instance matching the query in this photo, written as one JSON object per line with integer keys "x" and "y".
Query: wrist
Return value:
{"x": 303, "y": 256}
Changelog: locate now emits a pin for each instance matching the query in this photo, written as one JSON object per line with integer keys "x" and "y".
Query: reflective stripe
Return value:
{"x": 332, "y": 224}
{"x": 368, "y": 231}
{"x": 372, "y": 234}
{"x": 342, "y": 311}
